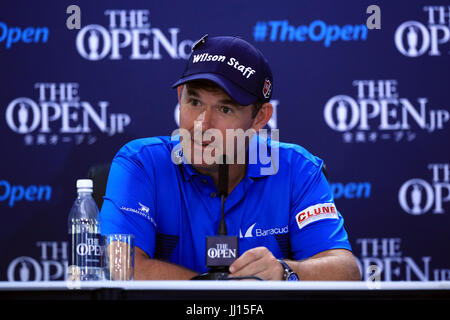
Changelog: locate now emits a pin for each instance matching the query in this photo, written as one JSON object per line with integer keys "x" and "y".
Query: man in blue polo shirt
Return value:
{"x": 281, "y": 208}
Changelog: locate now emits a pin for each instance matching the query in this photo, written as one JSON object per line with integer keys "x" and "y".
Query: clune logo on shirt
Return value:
{"x": 260, "y": 232}
{"x": 315, "y": 213}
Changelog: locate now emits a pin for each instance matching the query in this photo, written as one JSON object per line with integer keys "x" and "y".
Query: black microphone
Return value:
{"x": 221, "y": 250}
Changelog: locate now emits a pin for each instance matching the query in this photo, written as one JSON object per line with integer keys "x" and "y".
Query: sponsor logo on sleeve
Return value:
{"x": 316, "y": 212}
{"x": 143, "y": 211}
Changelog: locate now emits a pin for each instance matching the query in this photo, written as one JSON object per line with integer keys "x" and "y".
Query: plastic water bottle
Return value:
{"x": 86, "y": 242}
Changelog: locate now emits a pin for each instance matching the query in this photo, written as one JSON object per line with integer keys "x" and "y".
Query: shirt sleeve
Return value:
{"x": 128, "y": 205}
{"x": 315, "y": 223}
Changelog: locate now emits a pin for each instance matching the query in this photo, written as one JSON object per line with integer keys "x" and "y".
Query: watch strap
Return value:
{"x": 287, "y": 270}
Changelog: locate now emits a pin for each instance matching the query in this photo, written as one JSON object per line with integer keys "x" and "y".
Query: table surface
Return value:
{"x": 228, "y": 299}
{"x": 177, "y": 296}
{"x": 229, "y": 285}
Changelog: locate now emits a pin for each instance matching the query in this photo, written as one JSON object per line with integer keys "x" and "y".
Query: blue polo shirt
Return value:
{"x": 284, "y": 205}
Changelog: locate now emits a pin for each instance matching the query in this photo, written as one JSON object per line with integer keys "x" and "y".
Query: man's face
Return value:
{"x": 207, "y": 115}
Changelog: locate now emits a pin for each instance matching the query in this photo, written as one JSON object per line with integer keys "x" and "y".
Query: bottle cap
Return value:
{"x": 85, "y": 184}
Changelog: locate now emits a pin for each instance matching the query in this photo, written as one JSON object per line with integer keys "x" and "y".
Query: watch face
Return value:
{"x": 292, "y": 277}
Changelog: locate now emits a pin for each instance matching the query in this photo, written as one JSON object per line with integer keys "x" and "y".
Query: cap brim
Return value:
{"x": 235, "y": 92}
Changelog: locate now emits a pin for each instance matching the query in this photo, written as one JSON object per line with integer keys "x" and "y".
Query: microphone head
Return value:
{"x": 221, "y": 251}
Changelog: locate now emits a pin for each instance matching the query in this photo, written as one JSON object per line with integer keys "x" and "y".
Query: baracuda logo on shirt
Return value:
{"x": 260, "y": 232}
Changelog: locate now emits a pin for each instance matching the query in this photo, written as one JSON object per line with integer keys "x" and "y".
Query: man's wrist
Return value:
{"x": 288, "y": 273}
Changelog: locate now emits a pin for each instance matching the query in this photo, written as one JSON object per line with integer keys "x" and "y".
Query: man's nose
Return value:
{"x": 205, "y": 119}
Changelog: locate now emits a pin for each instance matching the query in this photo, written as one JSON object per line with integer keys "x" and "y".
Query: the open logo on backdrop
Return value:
{"x": 392, "y": 262}
{"x": 60, "y": 116}
{"x": 413, "y": 38}
{"x": 418, "y": 196}
{"x": 379, "y": 113}
{"x": 129, "y": 33}
{"x": 49, "y": 263}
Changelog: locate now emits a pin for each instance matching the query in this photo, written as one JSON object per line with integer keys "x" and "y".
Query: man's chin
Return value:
{"x": 204, "y": 167}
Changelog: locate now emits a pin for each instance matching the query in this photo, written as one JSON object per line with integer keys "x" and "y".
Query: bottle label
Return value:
{"x": 87, "y": 249}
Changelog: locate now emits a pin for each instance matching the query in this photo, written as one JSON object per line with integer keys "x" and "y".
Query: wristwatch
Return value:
{"x": 289, "y": 274}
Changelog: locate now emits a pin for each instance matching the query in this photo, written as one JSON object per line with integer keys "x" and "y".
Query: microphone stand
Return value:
{"x": 219, "y": 272}
{"x": 223, "y": 193}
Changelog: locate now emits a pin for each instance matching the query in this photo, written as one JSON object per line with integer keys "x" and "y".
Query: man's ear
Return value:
{"x": 179, "y": 89}
{"x": 263, "y": 116}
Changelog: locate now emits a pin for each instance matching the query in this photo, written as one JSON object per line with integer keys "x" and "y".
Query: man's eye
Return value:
{"x": 226, "y": 110}
{"x": 194, "y": 102}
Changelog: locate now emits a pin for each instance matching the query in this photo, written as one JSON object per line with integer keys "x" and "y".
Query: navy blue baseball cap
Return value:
{"x": 234, "y": 64}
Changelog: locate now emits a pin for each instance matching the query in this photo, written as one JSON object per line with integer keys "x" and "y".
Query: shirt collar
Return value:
{"x": 262, "y": 155}
{"x": 178, "y": 159}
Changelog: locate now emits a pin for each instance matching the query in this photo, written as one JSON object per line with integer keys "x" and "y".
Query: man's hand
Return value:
{"x": 152, "y": 269}
{"x": 258, "y": 262}
{"x": 328, "y": 265}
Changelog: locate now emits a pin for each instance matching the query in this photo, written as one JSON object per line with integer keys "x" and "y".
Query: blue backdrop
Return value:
{"x": 373, "y": 103}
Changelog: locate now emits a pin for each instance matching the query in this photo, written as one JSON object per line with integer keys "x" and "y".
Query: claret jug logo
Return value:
{"x": 413, "y": 39}
{"x": 418, "y": 196}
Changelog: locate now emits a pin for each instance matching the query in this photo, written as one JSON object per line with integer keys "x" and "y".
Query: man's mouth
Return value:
{"x": 202, "y": 143}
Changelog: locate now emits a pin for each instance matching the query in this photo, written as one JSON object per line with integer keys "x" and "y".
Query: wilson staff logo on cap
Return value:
{"x": 234, "y": 64}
